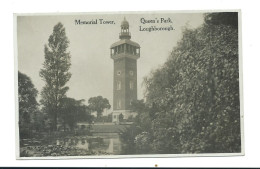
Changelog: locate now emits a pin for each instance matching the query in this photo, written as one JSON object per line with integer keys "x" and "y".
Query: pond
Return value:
{"x": 97, "y": 144}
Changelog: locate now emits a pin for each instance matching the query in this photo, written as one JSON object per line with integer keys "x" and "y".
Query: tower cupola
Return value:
{"x": 125, "y": 34}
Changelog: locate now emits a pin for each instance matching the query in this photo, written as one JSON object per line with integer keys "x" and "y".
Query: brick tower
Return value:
{"x": 125, "y": 54}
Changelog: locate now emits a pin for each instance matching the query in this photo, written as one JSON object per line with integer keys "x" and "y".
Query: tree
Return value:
{"x": 143, "y": 118}
{"x": 55, "y": 72}
{"x": 196, "y": 92}
{"x": 74, "y": 111}
{"x": 98, "y": 104}
{"x": 137, "y": 138}
{"x": 28, "y": 105}
{"x": 192, "y": 101}
{"x": 138, "y": 106}
{"x": 222, "y": 18}
{"x": 142, "y": 143}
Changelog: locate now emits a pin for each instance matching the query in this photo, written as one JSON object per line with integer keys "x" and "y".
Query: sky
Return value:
{"x": 91, "y": 65}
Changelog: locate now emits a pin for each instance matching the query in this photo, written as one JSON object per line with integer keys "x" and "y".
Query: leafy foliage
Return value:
{"x": 55, "y": 72}
{"x": 128, "y": 140}
{"x": 192, "y": 101}
{"x": 222, "y": 18}
{"x": 137, "y": 138}
{"x": 74, "y": 111}
{"x": 28, "y": 106}
{"x": 143, "y": 143}
{"x": 98, "y": 104}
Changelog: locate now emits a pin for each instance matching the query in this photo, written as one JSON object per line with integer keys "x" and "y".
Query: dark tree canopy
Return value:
{"x": 98, "y": 104}
{"x": 192, "y": 101}
{"x": 222, "y": 18}
{"x": 74, "y": 111}
{"x": 199, "y": 92}
{"x": 55, "y": 72}
{"x": 138, "y": 106}
{"x": 28, "y": 105}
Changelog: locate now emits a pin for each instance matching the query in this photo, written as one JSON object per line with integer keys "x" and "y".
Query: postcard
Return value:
{"x": 128, "y": 84}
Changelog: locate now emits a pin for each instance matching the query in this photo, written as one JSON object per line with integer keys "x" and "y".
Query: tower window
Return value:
{"x": 115, "y": 50}
{"x": 131, "y": 84}
{"x": 118, "y": 85}
{"x": 119, "y": 73}
{"x": 137, "y": 51}
{"x": 118, "y": 104}
{"x": 131, "y": 101}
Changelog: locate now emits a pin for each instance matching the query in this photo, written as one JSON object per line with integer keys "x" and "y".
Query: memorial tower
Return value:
{"x": 125, "y": 54}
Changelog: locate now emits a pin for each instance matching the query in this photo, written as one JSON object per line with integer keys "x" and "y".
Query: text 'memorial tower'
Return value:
{"x": 125, "y": 54}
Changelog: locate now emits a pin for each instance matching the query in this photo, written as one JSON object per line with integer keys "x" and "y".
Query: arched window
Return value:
{"x": 118, "y": 104}
{"x": 131, "y": 101}
{"x": 131, "y": 84}
{"x": 118, "y": 85}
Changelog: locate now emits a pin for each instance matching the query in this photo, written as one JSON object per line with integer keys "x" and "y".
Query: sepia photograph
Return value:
{"x": 128, "y": 84}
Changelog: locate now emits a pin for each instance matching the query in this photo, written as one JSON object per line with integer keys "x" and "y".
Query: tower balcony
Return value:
{"x": 125, "y": 48}
{"x": 125, "y": 35}
{"x": 118, "y": 55}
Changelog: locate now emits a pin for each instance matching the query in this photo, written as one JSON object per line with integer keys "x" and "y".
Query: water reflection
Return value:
{"x": 99, "y": 143}
{"x": 109, "y": 143}
{"x": 111, "y": 146}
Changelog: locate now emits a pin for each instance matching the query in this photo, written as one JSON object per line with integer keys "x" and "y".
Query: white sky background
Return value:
{"x": 92, "y": 67}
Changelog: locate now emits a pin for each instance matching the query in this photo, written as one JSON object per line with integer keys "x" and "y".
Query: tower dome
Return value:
{"x": 124, "y": 24}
